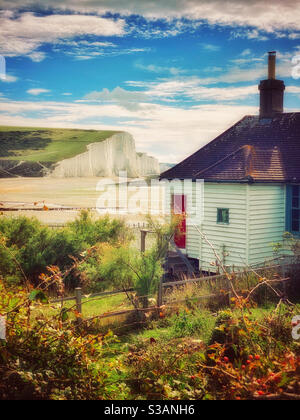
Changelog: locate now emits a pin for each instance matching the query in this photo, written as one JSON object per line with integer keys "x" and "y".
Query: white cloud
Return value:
{"x": 293, "y": 90}
{"x": 246, "y": 52}
{"x": 245, "y": 68}
{"x": 192, "y": 89}
{"x": 252, "y": 68}
{"x": 8, "y": 78}
{"x": 213, "y": 69}
{"x": 37, "y": 56}
{"x": 294, "y": 35}
{"x": 256, "y": 34}
{"x": 84, "y": 57}
{"x": 269, "y": 16}
{"x": 25, "y": 34}
{"x": 210, "y": 47}
{"x": 223, "y": 94}
{"x": 37, "y": 92}
{"x": 125, "y": 98}
{"x": 86, "y": 50}
{"x": 154, "y": 68}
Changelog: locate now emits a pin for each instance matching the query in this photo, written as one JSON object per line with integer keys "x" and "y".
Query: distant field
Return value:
{"x": 46, "y": 144}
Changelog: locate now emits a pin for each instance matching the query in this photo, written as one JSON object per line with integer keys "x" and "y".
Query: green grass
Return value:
{"x": 46, "y": 144}
{"x": 156, "y": 333}
{"x": 259, "y": 313}
{"x": 91, "y": 308}
{"x": 199, "y": 326}
{"x": 106, "y": 304}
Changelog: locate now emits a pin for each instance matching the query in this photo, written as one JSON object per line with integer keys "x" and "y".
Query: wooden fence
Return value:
{"x": 94, "y": 295}
{"x": 210, "y": 287}
{"x": 131, "y": 225}
{"x": 276, "y": 269}
{"x": 81, "y": 299}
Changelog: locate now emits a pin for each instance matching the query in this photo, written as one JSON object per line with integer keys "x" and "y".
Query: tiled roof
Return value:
{"x": 262, "y": 150}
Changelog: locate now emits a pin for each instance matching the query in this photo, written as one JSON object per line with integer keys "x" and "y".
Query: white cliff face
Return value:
{"x": 107, "y": 159}
{"x": 147, "y": 165}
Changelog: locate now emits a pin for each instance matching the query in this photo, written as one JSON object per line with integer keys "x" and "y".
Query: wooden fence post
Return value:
{"x": 229, "y": 297}
{"x": 143, "y": 240}
{"x": 160, "y": 293}
{"x": 283, "y": 273}
{"x": 229, "y": 290}
{"x": 78, "y": 296}
{"x": 163, "y": 278}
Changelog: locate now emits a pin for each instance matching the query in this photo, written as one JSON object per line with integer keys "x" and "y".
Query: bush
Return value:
{"x": 188, "y": 324}
{"x": 165, "y": 370}
{"x": 241, "y": 333}
{"x": 225, "y": 327}
{"x": 250, "y": 360}
{"x": 49, "y": 359}
{"x": 125, "y": 268}
{"x": 30, "y": 247}
{"x": 87, "y": 231}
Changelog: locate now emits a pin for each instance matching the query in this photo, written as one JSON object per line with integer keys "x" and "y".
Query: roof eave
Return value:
{"x": 236, "y": 181}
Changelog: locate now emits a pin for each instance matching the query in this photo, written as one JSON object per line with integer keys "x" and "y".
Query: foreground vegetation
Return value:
{"x": 183, "y": 351}
{"x": 27, "y": 247}
{"x": 190, "y": 354}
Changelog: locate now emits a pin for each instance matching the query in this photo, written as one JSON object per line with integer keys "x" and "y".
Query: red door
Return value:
{"x": 179, "y": 208}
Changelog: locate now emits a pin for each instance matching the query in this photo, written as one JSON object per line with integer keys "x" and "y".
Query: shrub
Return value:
{"x": 262, "y": 363}
{"x": 165, "y": 370}
{"x": 225, "y": 328}
{"x": 126, "y": 267}
{"x": 50, "y": 359}
{"x": 87, "y": 231}
{"x": 30, "y": 247}
{"x": 188, "y": 324}
{"x": 241, "y": 334}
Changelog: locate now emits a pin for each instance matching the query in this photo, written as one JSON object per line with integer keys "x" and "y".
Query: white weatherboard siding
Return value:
{"x": 266, "y": 219}
{"x": 232, "y": 237}
{"x": 257, "y": 218}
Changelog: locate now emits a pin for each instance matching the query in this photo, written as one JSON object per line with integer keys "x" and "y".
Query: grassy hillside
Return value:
{"x": 46, "y": 144}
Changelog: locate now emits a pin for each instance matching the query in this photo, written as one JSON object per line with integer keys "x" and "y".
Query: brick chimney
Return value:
{"x": 271, "y": 91}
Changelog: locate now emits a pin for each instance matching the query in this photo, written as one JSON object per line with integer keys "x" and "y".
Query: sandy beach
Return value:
{"x": 65, "y": 197}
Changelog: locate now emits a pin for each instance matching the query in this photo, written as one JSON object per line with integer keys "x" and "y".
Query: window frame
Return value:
{"x": 290, "y": 208}
{"x": 220, "y": 213}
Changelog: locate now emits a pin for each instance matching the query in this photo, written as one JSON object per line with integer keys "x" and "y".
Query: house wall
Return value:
{"x": 229, "y": 238}
{"x": 257, "y": 219}
{"x": 266, "y": 220}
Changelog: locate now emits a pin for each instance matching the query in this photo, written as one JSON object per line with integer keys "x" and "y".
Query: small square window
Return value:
{"x": 223, "y": 216}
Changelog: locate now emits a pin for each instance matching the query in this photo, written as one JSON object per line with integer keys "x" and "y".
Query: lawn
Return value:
{"x": 46, "y": 144}
{"x": 90, "y": 306}
{"x": 178, "y": 327}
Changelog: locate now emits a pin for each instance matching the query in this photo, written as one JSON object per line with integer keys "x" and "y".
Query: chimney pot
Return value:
{"x": 272, "y": 65}
{"x": 271, "y": 91}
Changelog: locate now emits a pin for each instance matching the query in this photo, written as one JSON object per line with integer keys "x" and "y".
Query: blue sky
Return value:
{"x": 173, "y": 73}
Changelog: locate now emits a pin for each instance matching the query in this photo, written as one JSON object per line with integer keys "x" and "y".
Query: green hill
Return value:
{"x": 46, "y": 144}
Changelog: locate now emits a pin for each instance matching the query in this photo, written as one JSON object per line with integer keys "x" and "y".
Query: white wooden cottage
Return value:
{"x": 250, "y": 189}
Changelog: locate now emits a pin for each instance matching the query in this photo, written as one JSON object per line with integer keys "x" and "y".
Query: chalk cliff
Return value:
{"x": 101, "y": 159}
{"x": 147, "y": 165}
{"x": 107, "y": 159}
